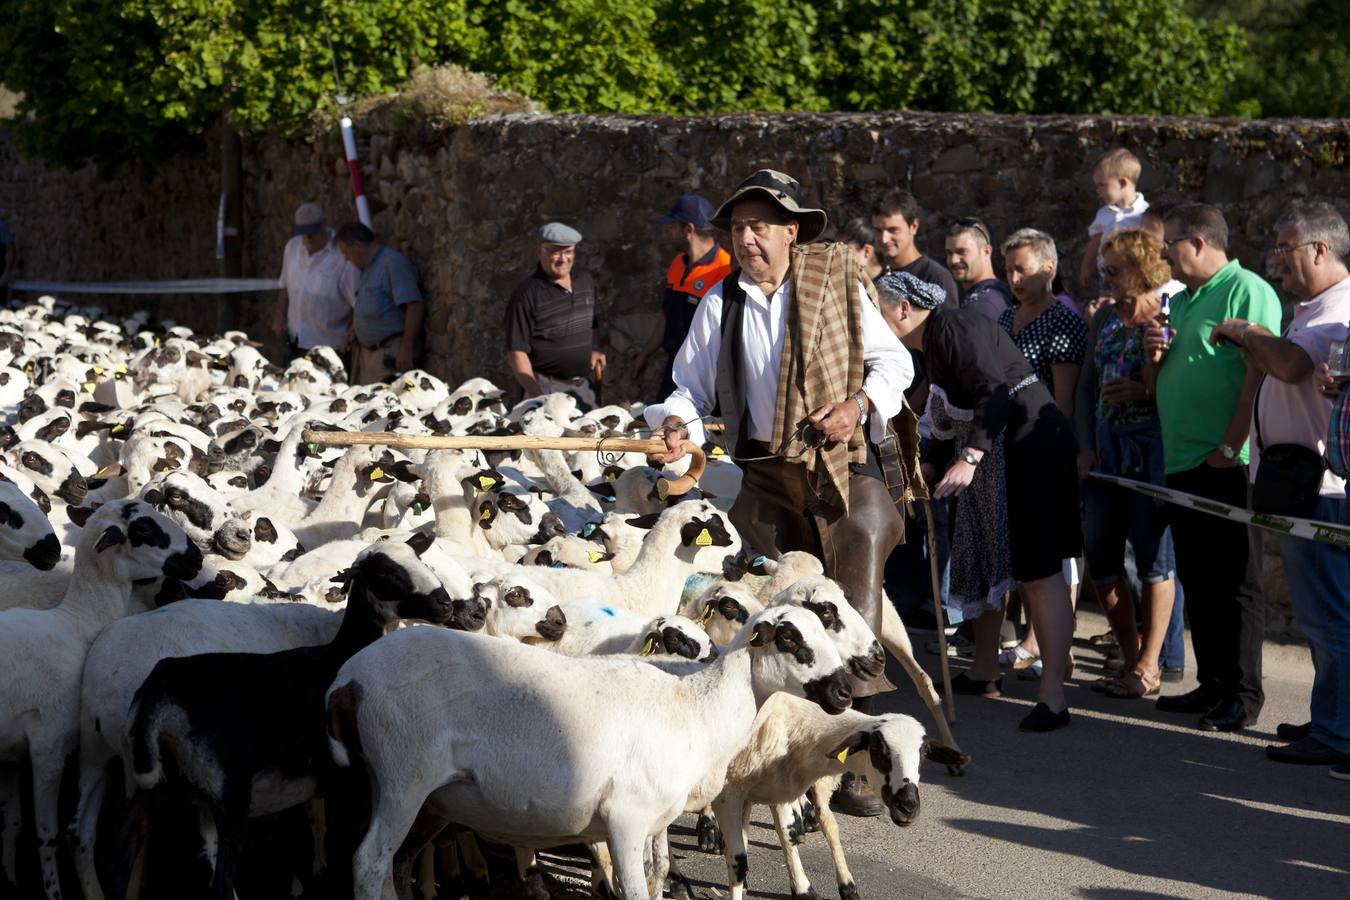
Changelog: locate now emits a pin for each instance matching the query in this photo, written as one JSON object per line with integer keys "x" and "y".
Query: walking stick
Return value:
{"x": 673, "y": 486}
{"x": 937, "y": 608}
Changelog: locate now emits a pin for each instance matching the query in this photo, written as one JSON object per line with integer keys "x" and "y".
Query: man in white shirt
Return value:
{"x": 809, "y": 379}
{"x": 318, "y": 286}
{"x": 1312, "y": 244}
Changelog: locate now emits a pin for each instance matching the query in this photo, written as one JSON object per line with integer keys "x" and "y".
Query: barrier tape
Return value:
{"x": 180, "y": 286}
{"x": 1322, "y": 532}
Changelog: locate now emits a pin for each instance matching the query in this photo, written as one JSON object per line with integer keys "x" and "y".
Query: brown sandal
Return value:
{"x": 1133, "y": 685}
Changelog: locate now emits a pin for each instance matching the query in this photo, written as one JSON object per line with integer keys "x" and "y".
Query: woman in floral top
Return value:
{"x": 1118, "y": 430}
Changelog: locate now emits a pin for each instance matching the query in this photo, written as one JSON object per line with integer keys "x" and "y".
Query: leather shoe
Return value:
{"x": 852, "y": 798}
{"x": 1199, "y": 700}
{"x": 1287, "y": 731}
{"x": 975, "y": 687}
{"x": 1042, "y": 719}
{"x": 1228, "y": 715}
{"x": 1307, "y": 752}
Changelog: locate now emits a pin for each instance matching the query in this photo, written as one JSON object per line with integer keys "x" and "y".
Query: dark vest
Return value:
{"x": 730, "y": 374}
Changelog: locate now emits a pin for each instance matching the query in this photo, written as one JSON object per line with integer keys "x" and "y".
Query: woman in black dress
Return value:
{"x": 981, "y": 374}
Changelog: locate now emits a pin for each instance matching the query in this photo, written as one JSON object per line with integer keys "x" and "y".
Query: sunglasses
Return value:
{"x": 970, "y": 222}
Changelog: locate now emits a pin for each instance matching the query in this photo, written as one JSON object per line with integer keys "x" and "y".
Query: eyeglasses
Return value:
{"x": 967, "y": 222}
{"x": 1283, "y": 252}
{"x": 1167, "y": 245}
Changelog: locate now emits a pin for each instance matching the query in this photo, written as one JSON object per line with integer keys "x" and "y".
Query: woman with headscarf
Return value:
{"x": 984, "y": 394}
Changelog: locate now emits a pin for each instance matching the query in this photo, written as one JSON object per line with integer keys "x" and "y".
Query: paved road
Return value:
{"x": 1125, "y": 803}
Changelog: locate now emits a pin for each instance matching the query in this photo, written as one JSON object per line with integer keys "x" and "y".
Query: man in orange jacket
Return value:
{"x": 700, "y": 264}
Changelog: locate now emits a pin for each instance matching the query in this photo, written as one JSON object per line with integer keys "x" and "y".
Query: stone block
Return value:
{"x": 965, "y": 158}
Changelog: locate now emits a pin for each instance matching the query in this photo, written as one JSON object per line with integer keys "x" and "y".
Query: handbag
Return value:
{"x": 1338, "y": 436}
{"x": 1288, "y": 478}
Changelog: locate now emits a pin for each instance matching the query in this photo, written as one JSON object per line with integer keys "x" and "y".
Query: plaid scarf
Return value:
{"x": 822, "y": 362}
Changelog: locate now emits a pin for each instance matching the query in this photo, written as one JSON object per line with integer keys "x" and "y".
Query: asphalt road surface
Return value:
{"x": 1127, "y": 803}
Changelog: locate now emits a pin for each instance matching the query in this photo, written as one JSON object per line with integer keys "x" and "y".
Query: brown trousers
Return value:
{"x": 375, "y": 365}
{"x": 776, "y": 512}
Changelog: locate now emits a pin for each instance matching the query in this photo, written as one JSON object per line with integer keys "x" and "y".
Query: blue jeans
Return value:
{"x": 1173, "y": 654}
{"x": 1319, "y": 589}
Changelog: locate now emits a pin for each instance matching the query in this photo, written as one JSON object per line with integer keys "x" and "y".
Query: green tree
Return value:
{"x": 1300, "y": 52}
{"x": 135, "y": 78}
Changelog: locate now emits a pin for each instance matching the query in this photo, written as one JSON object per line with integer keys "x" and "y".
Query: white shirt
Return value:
{"x": 320, "y": 290}
{"x": 887, "y": 366}
{"x": 1111, "y": 219}
{"x": 1300, "y": 413}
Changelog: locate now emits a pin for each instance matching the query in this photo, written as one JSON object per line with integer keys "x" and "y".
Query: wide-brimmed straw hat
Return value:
{"x": 783, "y": 191}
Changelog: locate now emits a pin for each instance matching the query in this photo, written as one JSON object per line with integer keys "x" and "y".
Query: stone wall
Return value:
{"x": 462, "y": 203}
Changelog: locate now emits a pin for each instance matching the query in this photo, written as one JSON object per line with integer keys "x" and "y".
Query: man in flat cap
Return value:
{"x": 318, "y": 286}
{"x": 807, "y": 373}
{"x": 700, "y": 263}
{"x": 551, "y": 323}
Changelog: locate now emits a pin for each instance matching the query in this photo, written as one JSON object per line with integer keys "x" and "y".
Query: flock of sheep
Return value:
{"x": 204, "y": 620}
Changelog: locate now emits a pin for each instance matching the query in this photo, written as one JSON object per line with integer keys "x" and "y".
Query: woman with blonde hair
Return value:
{"x": 1119, "y": 433}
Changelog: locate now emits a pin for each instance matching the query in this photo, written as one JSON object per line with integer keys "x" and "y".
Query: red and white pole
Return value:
{"x": 353, "y": 166}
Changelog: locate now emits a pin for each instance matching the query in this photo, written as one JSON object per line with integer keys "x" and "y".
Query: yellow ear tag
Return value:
{"x": 718, "y": 452}
{"x": 485, "y": 483}
{"x": 485, "y": 514}
{"x": 156, "y": 342}
{"x": 612, "y": 476}
{"x": 98, "y": 370}
{"x": 594, "y": 556}
{"x": 89, "y": 387}
{"x": 708, "y": 613}
{"x": 649, "y": 649}
{"x": 121, "y": 369}
{"x": 663, "y": 489}
{"x": 410, "y": 386}
{"x": 105, "y": 471}
{"x": 98, "y": 544}
{"x": 704, "y": 539}
{"x": 376, "y": 473}
{"x": 348, "y": 588}
{"x": 843, "y": 755}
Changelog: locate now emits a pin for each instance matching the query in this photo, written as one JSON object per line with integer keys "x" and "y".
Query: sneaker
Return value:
{"x": 1340, "y": 773}
{"x": 1017, "y": 658}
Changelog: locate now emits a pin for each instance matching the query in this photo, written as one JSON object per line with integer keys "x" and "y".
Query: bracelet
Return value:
{"x": 1242, "y": 338}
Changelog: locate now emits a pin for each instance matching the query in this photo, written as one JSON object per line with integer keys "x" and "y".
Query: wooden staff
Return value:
{"x": 937, "y": 608}
{"x": 673, "y": 486}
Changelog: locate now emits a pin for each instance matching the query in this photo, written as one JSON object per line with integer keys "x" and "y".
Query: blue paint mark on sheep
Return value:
{"x": 607, "y": 611}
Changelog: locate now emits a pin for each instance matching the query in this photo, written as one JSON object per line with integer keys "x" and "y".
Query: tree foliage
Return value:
{"x": 1300, "y": 52}
{"x": 114, "y": 79}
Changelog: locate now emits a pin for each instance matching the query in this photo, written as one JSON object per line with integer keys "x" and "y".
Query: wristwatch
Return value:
{"x": 1228, "y": 452}
{"x": 970, "y": 458}
{"x": 862, "y": 408}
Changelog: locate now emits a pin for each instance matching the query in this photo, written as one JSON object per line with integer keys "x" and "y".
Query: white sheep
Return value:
{"x": 511, "y": 715}
{"x": 125, "y": 541}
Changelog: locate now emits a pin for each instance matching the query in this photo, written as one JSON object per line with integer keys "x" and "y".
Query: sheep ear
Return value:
{"x": 420, "y": 541}
{"x": 604, "y": 488}
{"x": 734, "y": 567}
{"x": 763, "y": 634}
{"x": 402, "y": 470}
{"x": 647, "y": 521}
{"x": 154, "y": 497}
{"x": 111, "y": 537}
{"x": 942, "y": 754}
{"x": 761, "y": 565}
{"x": 854, "y": 743}
{"x": 79, "y": 514}
{"x": 342, "y": 577}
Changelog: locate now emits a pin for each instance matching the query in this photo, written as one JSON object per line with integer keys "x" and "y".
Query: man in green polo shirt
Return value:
{"x": 1205, "y": 391}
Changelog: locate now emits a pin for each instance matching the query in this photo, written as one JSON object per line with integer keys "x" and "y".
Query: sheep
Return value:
{"x": 684, "y": 539}
{"x": 125, "y": 541}
{"x": 793, "y": 747}
{"x": 123, "y": 656}
{"x": 570, "y": 551}
{"x": 622, "y": 784}
{"x": 511, "y": 608}
{"x": 25, "y": 533}
{"x": 722, "y": 609}
{"x": 239, "y": 745}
